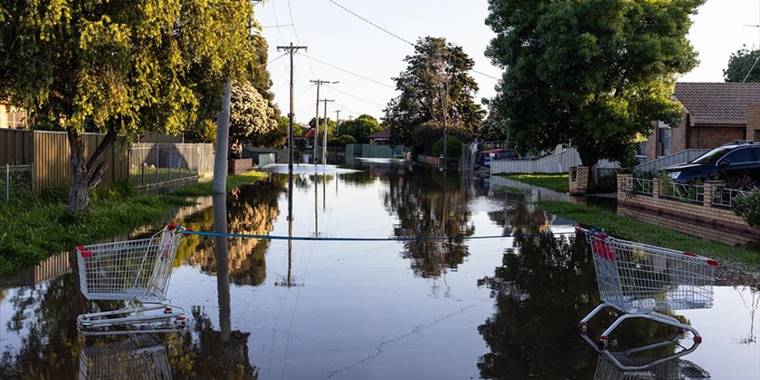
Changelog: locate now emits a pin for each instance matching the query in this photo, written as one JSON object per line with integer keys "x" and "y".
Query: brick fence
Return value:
{"x": 699, "y": 217}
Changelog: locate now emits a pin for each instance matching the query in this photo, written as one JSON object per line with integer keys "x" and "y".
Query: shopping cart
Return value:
{"x": 643, "y": 281}
{"x": 135, "y": 271}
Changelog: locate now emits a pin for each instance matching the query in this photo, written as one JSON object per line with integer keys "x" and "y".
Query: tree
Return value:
{"x": 743, "y": 64}
{"x": 592, "y": 73}
{"x": 360, "y": 128}
{"x": 494, "y": 127}
{"x": 322, "y": 122}
{"x": 252, "y": 117}
{"x": 120, "y": 68}
{"x": 436, "y": 83}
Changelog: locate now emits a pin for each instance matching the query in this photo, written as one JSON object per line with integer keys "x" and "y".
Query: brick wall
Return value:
{"x": 579, "y": 179}
{"x": 753, "y": 122}
{"x": 712, "y": 136}
{"x": 702, "y": 221}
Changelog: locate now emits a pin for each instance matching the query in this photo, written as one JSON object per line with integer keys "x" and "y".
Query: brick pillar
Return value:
{"x": 710, "y": 187}
{"x": 656, "y": 187}
{"x": 579, "y": 180}
{"x": 624, "y": 186}
{"x": 753, "y": 122}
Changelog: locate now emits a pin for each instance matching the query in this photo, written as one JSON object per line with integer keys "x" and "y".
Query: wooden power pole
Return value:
{"x": 324, "y": 140}
{"x": 319, "y": 84}
{"x": 290, "y": 49}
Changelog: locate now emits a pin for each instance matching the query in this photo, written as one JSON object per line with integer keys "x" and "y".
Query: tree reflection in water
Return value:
{"x": 545, "y": 285}
{"x": 251, "y": 209}
{"x": 430, "y": 204}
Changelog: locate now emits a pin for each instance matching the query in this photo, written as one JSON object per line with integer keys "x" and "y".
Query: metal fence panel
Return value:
{"x": 15, "y": 181}
{"x": 556, "y": 163}
{"x": 673, "y": 159}
{"x": 16, "y": 147}
{"x": 157, "y": 163}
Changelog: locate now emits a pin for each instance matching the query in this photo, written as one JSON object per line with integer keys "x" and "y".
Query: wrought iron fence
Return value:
{"x": 682, "y": 192}
{"x": 643, "y": 186}
{"x": 15, "y": 181}
{"x": 724, "y": 197}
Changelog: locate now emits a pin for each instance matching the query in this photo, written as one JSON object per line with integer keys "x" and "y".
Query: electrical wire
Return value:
{"x": 355, "y": 97}
{"x": 339, "y": 239}
{"x": 295, "y": 33}
{"x": 349, "y": 72}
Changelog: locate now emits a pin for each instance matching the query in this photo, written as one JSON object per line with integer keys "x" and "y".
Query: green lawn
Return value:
{"x": 556, "y": 182}
{"x": 35, "y": 228}
{"x": 631, "y": 229}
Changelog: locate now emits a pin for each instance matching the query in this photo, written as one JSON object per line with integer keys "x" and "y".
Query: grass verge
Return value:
{"x": 631, "y": 229}
{"x": 556, "y": 182}
{"x": 36, "y": 227}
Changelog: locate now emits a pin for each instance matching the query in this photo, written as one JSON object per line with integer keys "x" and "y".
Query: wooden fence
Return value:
{"x": 49, "y": 153}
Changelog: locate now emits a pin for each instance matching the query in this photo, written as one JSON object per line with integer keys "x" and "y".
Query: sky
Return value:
{"x": 342, "y": 47}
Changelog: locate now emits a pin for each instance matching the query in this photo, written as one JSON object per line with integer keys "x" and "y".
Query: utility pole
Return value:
{"x": 324, "y": 140}
{"x": 291, "y": 49}
{"x": 337, "y": 120}
{"x": 319, "y": 84}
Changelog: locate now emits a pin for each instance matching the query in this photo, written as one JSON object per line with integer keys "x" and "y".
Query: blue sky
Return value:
{"x": 337, "y": 38}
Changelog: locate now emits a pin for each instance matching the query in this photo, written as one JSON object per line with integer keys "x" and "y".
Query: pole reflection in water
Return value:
{"x": 222, "y": 265}
{"x": 316, "y": 204}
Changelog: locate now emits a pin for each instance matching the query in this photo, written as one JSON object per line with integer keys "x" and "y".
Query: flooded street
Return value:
{"x": 461, "y": 309}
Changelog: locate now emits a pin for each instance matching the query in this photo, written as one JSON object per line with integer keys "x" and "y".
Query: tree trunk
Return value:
{"x": 589, "y": 155}
{"x": 85, "y": 173}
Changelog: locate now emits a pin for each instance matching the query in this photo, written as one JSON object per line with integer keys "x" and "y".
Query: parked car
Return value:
{"x": 728, "y": 161}
{"x": 485, "y": 157}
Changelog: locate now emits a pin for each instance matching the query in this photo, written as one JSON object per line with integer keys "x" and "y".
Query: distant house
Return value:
{"x": 308, "y": 136}
{"x": 380, "y": 138}
{"x": 714, "y": 114}
{"x": 13, "y": 117}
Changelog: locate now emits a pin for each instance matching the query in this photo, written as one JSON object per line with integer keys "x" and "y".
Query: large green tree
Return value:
{"x": 743, "y": 64}
{"x": 592, "y": 73}
{"x": 120, "y": 67}
{"x": 360, "y": 128}
{"x": 436, "y": 87}
{"x": 494, "y": 127}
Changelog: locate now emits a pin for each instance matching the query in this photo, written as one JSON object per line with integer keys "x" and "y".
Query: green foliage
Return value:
{"x": 424, "y": 137}
{"x": 436, "y": 82}
{"x": 494, "y": 127}
{"x": 252, "y": 118}
{"x": 748, "y": 207}
{"x": 556, "y": 182}
{"x": 360, "y": 128}
{"x": 590, "y": 73}
{"x": 454, "y": 148}
{"x": 740, "y": 64}
{"x": 342, "y": 140}
{"x": 630, "y": 229}
{"x": 202, "y": 189}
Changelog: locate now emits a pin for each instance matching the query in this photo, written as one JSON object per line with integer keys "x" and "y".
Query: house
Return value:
{"x": 380, "y": 138}
{"x": 714, "y": 114}
{"x": 12, "y": 117}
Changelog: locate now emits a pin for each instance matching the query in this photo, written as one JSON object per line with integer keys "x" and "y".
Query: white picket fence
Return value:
{"x": 556, "y": 163}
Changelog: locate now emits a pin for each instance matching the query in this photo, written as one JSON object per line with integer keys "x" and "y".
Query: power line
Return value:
{"x": 402, "y": 39}
{"x": 295, "y": 33}
{"x": 396, "y": 36}
{"x": 356, "y": 97}
{"x": 349, "y": 72}
{"x": 275, "y": 60}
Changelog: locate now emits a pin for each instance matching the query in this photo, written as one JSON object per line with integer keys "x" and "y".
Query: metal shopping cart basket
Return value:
{"x": 135, "y": 271}
{"x": 643, "y": 281}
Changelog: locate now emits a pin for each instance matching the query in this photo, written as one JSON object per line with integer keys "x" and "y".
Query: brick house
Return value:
{"x": 714, "y": 114}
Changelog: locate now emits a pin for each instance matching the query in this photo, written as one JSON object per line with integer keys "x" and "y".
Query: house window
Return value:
{"x": 664, "y": 139}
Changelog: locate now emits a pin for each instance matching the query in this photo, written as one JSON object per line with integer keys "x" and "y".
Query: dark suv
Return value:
{"x": 722, "y": 163}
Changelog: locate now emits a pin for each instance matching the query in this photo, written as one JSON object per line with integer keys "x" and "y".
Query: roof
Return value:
{"x": 309, "y": 134}
{"x": 718, "y": 103}
{"x": 386, "y": 134}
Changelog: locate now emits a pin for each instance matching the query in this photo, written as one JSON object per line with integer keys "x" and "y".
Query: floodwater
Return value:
{"x": 502, "y": 309}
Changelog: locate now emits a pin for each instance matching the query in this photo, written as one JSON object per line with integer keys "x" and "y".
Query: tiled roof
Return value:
{"x": 720, "y": 103}
{"x": 309, "y": 134}
{"x": 386, "y": 134}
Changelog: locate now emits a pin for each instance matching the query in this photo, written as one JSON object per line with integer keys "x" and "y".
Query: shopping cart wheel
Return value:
{"x": 697, "y": 339}
{"x": 583, "y": 328}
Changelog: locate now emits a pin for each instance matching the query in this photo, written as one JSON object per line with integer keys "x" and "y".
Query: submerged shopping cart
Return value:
{"x": 644, "y": 281}
{"x": 136, "y": 272}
